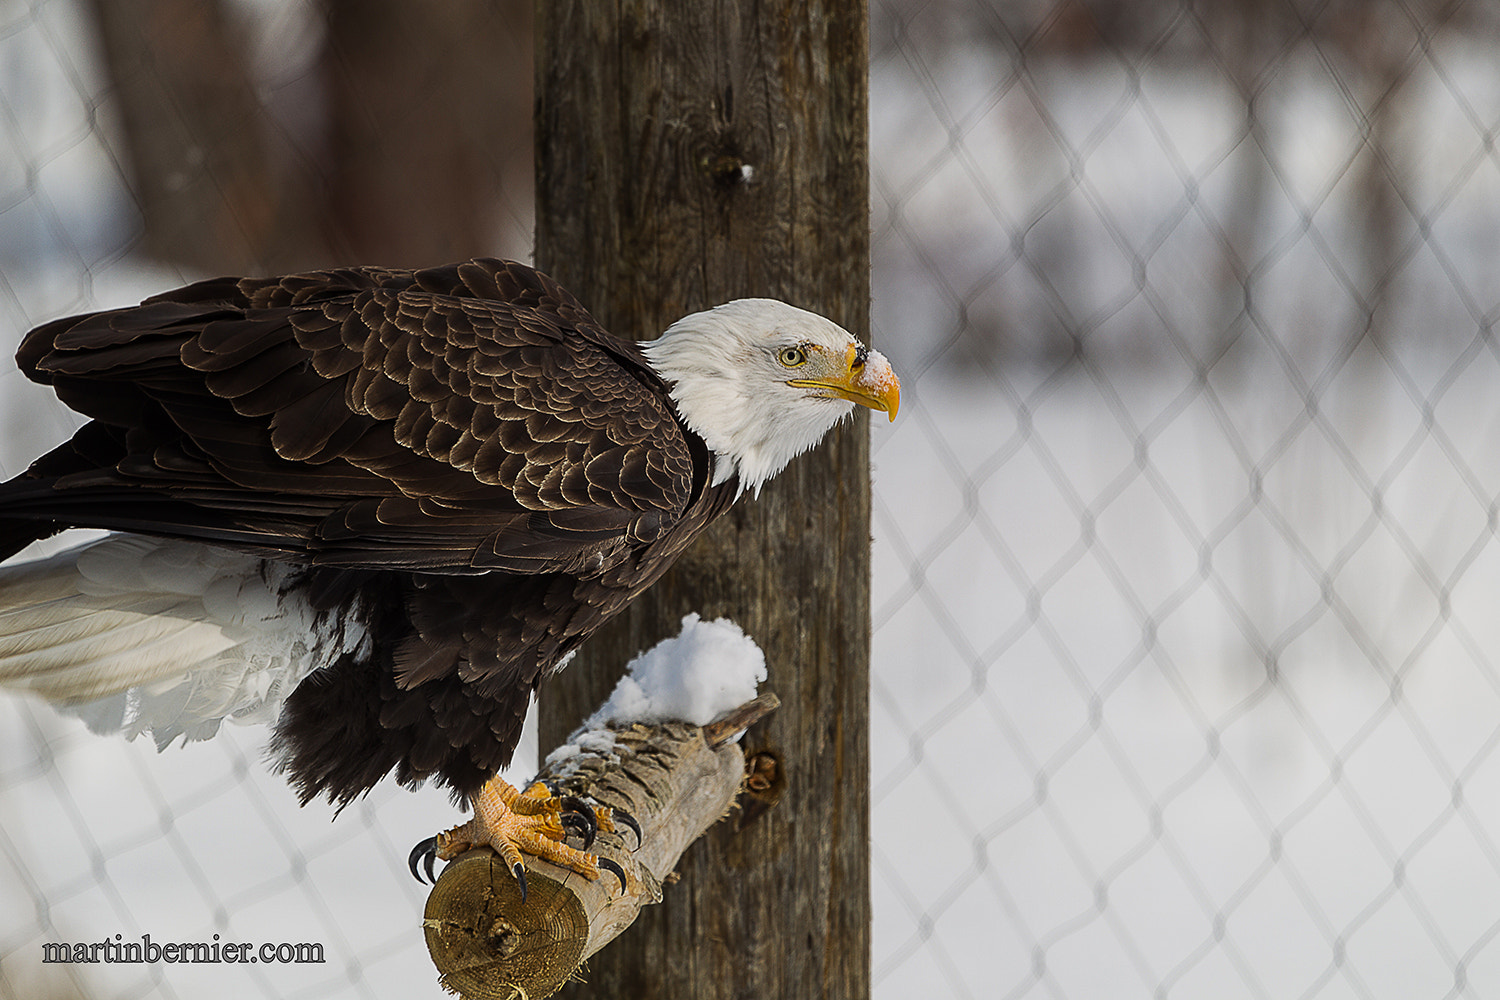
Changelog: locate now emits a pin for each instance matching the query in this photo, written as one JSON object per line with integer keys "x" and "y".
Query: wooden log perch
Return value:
{"x": 676, "y": 779}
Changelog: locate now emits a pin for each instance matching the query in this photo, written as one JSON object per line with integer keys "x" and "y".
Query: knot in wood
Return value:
{"x": 761, "y": 772}
{"x": 728, "y": 171}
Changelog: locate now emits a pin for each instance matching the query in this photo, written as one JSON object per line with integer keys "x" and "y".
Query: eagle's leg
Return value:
{"x": 511, "y": 822}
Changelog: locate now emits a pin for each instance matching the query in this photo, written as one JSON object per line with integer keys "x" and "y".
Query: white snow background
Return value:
{"x": 1183, "y": 681}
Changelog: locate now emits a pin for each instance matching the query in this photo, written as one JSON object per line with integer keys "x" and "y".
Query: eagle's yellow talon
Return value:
{"x": 605, "y": 817}
{"x": 513, "y": 823}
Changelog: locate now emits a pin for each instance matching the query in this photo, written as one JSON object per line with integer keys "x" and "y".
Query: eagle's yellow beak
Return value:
{"x": 862, "y": 376}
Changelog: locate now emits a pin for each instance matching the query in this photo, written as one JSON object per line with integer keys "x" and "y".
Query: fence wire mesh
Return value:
{"x": 1185, "y": 539}
{"x": 1185, "y": 553}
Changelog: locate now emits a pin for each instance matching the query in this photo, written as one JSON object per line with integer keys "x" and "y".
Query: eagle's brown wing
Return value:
{"x": 451, "y": 420}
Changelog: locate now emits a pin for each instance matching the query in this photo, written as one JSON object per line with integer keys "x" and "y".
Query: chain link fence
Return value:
{"x": 1185, "y": 539}
{"x": 1186, "y": 556}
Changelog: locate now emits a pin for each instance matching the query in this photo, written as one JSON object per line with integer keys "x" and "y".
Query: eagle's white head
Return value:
{"x": 762, "y": 381}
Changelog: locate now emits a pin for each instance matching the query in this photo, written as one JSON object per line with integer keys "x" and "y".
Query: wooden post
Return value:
{"x": 691, "y": 152}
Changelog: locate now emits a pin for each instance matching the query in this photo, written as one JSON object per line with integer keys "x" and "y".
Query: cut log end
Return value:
{"x": 488, "y": 945}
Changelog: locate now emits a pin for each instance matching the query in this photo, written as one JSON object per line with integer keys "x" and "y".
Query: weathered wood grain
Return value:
{"x": 648, "y": 113}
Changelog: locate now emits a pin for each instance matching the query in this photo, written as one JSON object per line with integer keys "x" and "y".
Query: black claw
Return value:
{"x": 519, "y": 871}
{"x": 579, "y": 826}
{"x": 621, "y": 816}
{"x": 580, "y": 819}
{"x": 426, "y": 851}
{"x": 575, "y": 823}
{"x": 619, "y": 872}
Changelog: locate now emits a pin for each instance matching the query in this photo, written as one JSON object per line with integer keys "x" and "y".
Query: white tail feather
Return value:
{"x": 143, "y": 635}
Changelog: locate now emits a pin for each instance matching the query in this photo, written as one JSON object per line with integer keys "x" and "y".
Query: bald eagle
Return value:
{"x": 375, "y": 508}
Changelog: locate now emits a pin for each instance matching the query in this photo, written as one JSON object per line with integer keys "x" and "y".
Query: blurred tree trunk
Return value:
{"x": 689, "y": 153}
{"x": 193, "y": 131}
{"x": 430, "y": 130}
{"x": 417, "y": 150}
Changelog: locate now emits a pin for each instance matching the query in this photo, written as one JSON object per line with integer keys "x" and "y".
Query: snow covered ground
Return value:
{"x": 1184, "y": 679}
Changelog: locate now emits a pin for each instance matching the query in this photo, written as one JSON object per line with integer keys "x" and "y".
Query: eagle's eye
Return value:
{"x": 791, "y": 356}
